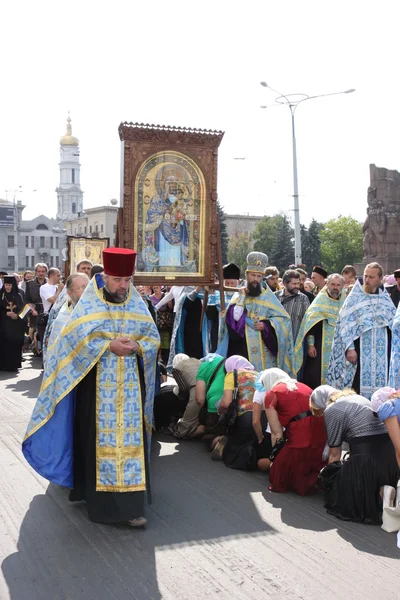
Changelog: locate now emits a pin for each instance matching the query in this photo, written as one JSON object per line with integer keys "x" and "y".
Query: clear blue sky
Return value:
{"x": 200, "y": 64}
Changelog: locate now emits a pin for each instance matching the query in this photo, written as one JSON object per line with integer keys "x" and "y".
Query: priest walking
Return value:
{"x": 91, "y": 427}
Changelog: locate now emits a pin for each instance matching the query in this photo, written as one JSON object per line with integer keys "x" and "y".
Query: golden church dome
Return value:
{"x": 68, "y": 139}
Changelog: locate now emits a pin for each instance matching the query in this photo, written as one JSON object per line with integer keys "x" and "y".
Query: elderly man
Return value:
{"x": 91, "y": 426}
{"x": 314, "y": 341}
{"x": 294, "y": 302}
{"x": 256, "y": 325}
{"x": 75, "y": 286}
{"x": 361, "y": 344}
{"x": 83, "y": 266}
{"x": 318, "y": 277}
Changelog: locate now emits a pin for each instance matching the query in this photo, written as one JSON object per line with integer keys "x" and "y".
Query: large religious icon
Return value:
{"x": 169, "y": 202}
{"x": 170, "y": 207}
{"x": 80, "y": 248}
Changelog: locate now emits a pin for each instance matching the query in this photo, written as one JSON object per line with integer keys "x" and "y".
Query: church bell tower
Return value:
{"x": 69, "y": 193}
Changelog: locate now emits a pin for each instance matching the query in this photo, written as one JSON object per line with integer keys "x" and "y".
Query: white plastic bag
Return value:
{"x": 391, "y": 508}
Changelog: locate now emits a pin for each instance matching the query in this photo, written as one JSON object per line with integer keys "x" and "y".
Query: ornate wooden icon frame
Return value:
{"x": 73, "y": 241}
{"x": 200, "y": 147}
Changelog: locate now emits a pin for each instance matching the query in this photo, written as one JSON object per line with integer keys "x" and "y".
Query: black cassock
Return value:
{"x": 12, "y": 332}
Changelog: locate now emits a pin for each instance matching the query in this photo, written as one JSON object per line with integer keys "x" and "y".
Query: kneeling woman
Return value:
{"x": 287, "y": 405}
{"x": 354, "y": 494}
{"x": 240, "y": 449}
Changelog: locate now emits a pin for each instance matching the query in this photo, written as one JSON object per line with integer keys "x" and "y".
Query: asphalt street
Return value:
{"x": 212, "y": 533}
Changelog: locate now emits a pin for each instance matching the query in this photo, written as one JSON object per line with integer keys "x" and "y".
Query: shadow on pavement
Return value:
{"x": 309, "y": 513}
{"x": 26, "y": 387}
{"x": 61, "y": 554}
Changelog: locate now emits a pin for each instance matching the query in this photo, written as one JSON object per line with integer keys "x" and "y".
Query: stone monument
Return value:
{"x": 382, "y": 225}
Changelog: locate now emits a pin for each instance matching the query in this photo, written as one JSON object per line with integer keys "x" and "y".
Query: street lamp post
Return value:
{"x": 293, "y": 101}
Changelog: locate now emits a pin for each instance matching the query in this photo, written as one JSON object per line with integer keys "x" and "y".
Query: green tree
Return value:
{"x": 238, "y": 249}
{"x": 223, "y": 232}
{"x": 274, "y": 236}
{"x": 311, "y": 244}
{"x": 282, "y": 254}
{"x": 341, "y": 243}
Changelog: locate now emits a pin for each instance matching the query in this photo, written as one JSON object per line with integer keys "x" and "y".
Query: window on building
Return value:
{"x": 74, "y": 207}
{"x": 32, "y": 241}
{"x": 41, "y": 243}
{"x": 52, "y": 261}
{"x": 26, "y": 262}
{"x": 57, "y": 261}
{"x": 51, "y": 242}
{"x": 102, "y": 228}
{"x": 74, "y": 230}
{"x": 32, "y": 262}
{"x": 90, "y": 229}
{"x": 97, "y": 228}
{"x": 11, "y": 263}
{"x": 42, "y": 226}
{"x": 10, "y": 241}
{"x": 73, "y": 177}
{"x": 27, "y": 241}
{"x": 57, "y": 242}
{"x": 114, "y": 229}
{"x": 85, "y": 230}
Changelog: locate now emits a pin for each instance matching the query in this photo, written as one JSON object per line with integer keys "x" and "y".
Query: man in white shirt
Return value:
{"x": 50, "y": 291}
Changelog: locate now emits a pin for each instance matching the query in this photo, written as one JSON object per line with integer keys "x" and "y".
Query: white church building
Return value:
{"x": 25, "y": 243}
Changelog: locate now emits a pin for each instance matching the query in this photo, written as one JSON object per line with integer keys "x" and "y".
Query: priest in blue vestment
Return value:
{"x": 362, "y": 341}
{"x": 91, "y": 426}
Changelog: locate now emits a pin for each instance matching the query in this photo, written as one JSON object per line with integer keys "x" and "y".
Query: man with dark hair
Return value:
{"x": 361, "y": 345}
{"x": 318, "y": 277}
{"x": 96, "y": 269}
{"x": 294, "y": 302}
{"x": 303, "y": 276}
{"x": 394, "y": 290}
{"x": 256, "y": 325}
{"x": 271, "y": 276}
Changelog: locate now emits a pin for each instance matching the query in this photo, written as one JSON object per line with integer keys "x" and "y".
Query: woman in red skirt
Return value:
{"x": 287, "y": 405}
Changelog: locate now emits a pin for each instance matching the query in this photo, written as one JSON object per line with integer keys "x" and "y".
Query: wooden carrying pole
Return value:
{"x": 119, "y": 234}
{"x": 220, "y": 272}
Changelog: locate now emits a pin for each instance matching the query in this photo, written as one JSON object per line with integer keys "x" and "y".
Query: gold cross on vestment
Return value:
{"x": 107, "y": 385}
{"x": 131, "y": 385}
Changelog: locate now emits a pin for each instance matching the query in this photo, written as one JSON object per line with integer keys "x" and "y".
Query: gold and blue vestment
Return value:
{"x": 326, "y": 309}
{"x": 84, "y": 344}
{"x": 262, "y": 308}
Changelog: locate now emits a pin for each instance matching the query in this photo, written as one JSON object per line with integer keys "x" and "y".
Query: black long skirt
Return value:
{"x": 354, "y": 495}
{"x": 103, "y": 507}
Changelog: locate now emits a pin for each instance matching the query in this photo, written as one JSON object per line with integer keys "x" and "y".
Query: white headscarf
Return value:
{"x": 320, "y": 396}
{"x": 271, "y": 377}
{"x": 380, "y": 396}
{"x": 178, "y": 358}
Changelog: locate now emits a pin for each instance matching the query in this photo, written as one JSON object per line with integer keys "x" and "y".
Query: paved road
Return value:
{"x": 213, "y": 533}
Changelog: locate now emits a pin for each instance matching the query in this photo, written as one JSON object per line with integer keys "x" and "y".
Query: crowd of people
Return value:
{"x": 290, "y": 373}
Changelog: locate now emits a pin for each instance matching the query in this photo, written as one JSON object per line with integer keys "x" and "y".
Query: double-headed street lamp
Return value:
{"x": 293, "y": 101}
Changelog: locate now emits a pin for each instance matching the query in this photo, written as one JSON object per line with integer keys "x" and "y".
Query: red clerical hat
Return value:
{"x": 119, "y": 262}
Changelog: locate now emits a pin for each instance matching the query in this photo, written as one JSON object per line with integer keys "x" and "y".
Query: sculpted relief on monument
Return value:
{"x": 382, "y": 226}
